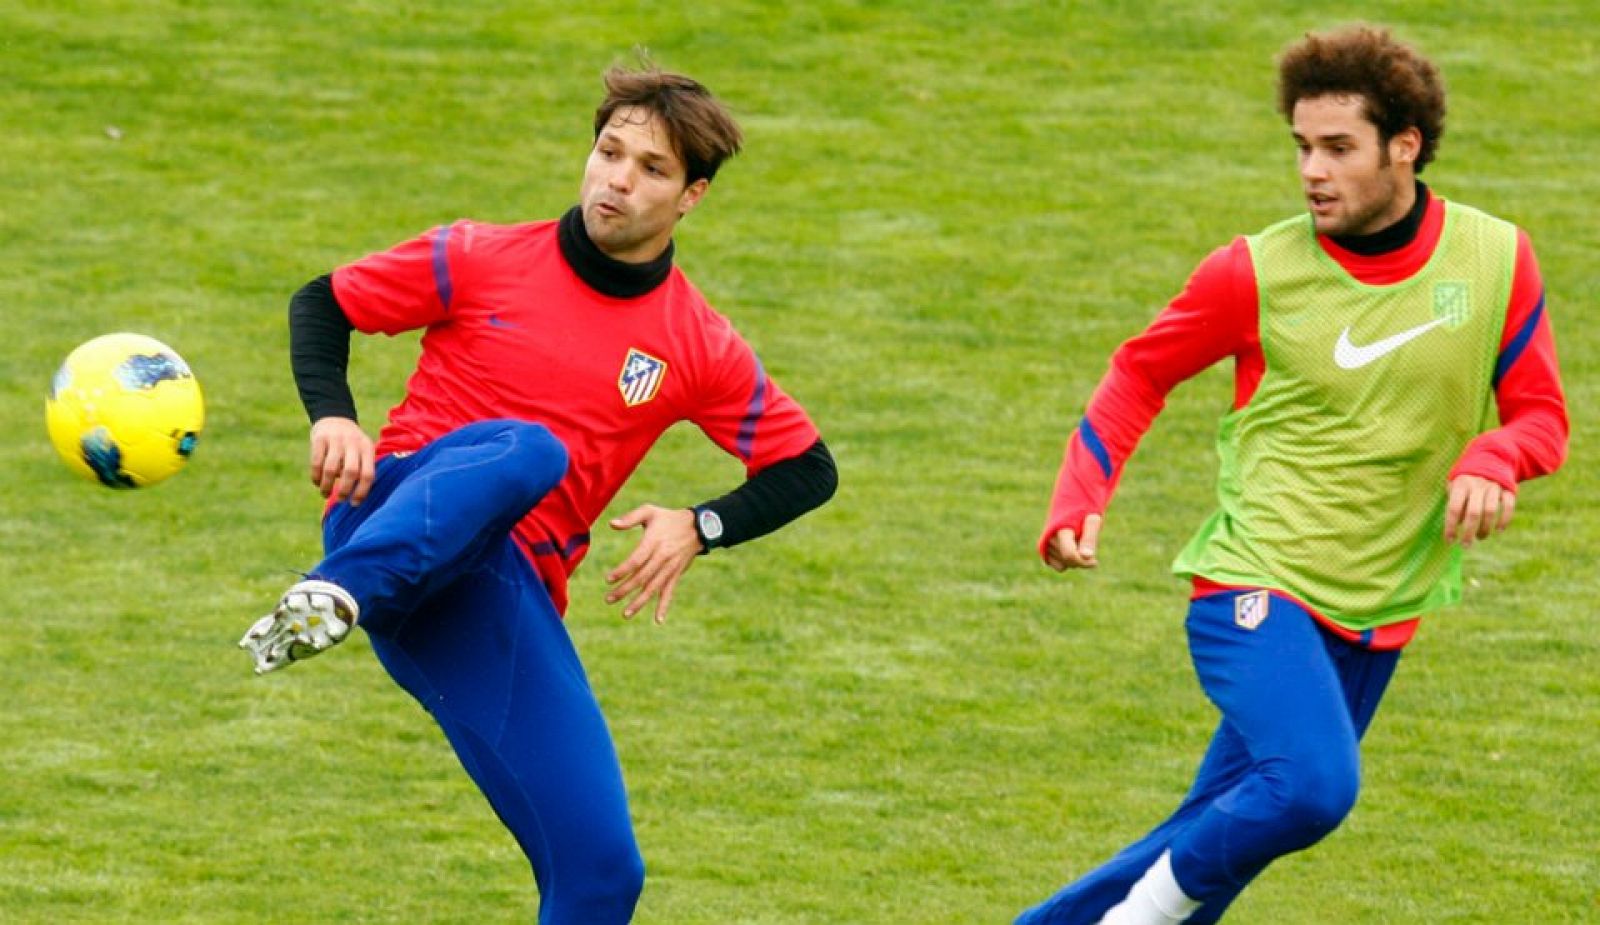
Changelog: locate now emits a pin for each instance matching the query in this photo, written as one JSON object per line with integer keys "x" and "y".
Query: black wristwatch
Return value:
{"x": 707, "y": 526}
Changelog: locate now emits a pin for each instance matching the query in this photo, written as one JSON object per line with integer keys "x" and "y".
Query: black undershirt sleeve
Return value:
{"x": 319, "y": 351}
{"x": 773, "y": 497}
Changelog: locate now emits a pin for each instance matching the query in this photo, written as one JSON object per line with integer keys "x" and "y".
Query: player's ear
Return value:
{"x": 690, "y": 197}
{"x": 1406, "y": 145}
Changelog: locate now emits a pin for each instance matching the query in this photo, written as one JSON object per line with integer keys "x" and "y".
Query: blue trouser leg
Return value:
{"x": 1085, "y": 900}
{"x": 489, "y": 657}
{"x": 1299, "y": 700}
{"x": 1282, "y": 769}
{"x": 460, "y": 619}
{"x": 431, "y": 513}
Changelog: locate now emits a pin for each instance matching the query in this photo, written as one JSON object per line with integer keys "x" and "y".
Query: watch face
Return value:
{"x": 710, "y": 525}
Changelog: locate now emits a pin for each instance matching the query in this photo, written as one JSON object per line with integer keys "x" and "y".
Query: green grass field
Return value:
{"x": 946, "y": 218}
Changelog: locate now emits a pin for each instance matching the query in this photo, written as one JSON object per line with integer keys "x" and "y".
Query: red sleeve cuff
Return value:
{"x": 1485, "y": 458}
{"x": 1069, "y": 521}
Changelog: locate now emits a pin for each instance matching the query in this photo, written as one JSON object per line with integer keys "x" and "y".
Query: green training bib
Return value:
{"x": 1332, "y": 479}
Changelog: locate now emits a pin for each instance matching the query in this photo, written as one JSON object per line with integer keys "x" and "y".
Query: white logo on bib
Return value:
{"x": 1349, "y": 356}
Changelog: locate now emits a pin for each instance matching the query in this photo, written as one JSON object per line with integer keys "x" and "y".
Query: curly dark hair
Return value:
{"x": 1398, "y": 86}
{"x": 702, "y": 130}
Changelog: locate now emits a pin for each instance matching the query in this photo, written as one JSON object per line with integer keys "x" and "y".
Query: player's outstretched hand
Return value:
{"x": 1477, "y": 508}
{"x": 665, "y": 551}
{"x": 1067, "y": 551}
{"x": 341, "y": 459}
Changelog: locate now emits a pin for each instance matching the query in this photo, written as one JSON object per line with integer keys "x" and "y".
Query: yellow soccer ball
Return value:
{"x": 125, "y": 411}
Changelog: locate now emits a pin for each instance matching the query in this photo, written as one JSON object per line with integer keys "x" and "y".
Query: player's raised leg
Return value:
{"x": 428, "y": 516}
{"x": 451, "y": 499}
{"x": 496, "y": 668}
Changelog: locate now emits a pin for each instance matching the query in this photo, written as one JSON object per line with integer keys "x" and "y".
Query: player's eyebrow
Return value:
{"x": 652, "y": 155}
{"x": 661, "y": 159}
{"x": 1326, "y": 139}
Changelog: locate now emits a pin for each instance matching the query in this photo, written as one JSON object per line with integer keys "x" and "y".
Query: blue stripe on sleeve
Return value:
{"x": 441, "y": 265}
{"x": 1091, "y": 440}
{"x": 746, "y": 441}
{"x": 1513, "y": 350}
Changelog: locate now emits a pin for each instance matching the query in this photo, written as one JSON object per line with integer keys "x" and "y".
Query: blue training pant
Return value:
{"x": 1282, "y": 770}
{"x": 460, "y": 619}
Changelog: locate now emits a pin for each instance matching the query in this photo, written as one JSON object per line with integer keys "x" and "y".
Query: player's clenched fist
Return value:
{"x": 1068, "y": 550}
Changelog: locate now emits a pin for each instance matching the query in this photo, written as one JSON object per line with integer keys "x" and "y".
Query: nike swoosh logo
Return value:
{"x": 1349, "y": 356}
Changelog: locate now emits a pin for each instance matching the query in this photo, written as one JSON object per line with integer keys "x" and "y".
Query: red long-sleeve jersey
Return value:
{"x": 512, "y": 331}
{"x": 1217, "y": 316}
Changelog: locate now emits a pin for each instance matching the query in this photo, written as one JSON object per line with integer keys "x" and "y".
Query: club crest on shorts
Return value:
{"x": 641, "y": 377}
{"x": 1250, "y": 610}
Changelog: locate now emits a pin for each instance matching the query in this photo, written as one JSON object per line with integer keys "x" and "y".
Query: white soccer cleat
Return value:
{"x": 312, "y": 616}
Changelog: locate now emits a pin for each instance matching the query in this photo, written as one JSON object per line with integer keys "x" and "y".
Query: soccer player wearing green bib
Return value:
{"x": 1395, "y": 380}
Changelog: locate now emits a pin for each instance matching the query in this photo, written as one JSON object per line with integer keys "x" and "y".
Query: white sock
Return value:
{"x": 1155, "y": 900}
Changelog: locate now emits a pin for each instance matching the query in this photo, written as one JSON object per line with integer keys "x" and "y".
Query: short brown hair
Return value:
{"x": 703, "y": 131}
{"x": 1398, "y": 86}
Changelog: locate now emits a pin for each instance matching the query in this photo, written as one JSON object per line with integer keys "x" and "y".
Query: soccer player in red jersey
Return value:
{"x": 1395, "y": 379}
{"x": 554, "y": 354}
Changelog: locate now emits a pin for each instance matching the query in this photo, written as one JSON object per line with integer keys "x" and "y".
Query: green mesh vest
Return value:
{"x": 1332, "y": 479}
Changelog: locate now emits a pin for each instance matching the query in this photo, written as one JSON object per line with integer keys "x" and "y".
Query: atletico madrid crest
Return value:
{"x": 641, "y": 377}
{"x": 1250, "y": 610}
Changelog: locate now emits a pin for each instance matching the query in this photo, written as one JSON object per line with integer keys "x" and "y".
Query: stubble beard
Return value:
{"x": 1373, "y": 217}
{"x": 610, "y": 235}
{"x": 1365, "y": 222}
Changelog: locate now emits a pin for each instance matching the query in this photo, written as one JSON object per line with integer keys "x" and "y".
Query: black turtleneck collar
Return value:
{"x": 603, "y": 273}
{"x": 1392, "y": 238}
